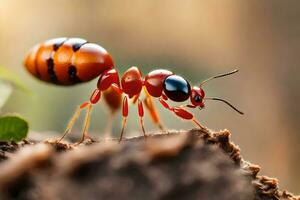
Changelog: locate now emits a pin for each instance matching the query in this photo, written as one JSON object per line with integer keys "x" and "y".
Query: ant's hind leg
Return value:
{"x": 95, "y": 97}
{"x": 86, "y": 125}
{"x": 73, "y": 120}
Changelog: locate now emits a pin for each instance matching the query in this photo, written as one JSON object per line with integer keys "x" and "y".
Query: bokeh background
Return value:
{"x": 195, "y": 39}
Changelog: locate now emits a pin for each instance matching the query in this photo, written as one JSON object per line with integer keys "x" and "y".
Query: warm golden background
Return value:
{"x": 193, "y": 38}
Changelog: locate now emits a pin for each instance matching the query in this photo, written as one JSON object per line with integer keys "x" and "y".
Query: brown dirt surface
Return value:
{"x": 195, "y": 164}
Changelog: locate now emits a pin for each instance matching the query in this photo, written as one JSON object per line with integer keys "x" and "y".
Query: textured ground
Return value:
{"x": 175, "y": 165}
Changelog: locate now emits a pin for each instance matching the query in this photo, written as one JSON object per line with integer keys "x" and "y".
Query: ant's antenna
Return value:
{"x": 217, "y": 99}
{"x": 218, "y": 76}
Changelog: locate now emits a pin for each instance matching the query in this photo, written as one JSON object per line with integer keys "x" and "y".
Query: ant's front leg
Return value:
{"x": 182, "y": 113}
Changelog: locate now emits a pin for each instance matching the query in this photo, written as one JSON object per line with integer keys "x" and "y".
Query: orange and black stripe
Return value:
{"x": 67, "y": 61}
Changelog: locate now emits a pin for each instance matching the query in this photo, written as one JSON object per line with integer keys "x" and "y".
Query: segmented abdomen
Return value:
{"x": 67, "y": 61}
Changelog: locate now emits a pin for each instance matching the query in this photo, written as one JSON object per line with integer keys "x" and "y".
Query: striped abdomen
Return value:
{"x": 67, "y": 61}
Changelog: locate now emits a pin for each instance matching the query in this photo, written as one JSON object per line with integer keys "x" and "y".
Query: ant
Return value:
{"x": 69, "y": 61}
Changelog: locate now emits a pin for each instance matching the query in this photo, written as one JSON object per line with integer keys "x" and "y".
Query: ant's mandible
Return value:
{"x": 69, "y": 61}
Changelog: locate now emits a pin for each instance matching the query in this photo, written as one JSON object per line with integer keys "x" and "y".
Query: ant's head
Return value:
{"x": 178, "y": 89}
{"x": 197, "y": 94}
{"x": 197, "y": 97}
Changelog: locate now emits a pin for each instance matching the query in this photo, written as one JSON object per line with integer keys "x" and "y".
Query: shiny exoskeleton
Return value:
{"x": 69, "y": 61}
{"x": 66, "y": 61}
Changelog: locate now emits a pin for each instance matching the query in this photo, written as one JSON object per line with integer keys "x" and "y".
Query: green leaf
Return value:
{"x": 13, "y": 128}
{"x": 12, "y": 78}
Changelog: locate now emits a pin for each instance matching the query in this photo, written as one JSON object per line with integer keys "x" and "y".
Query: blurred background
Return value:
{"x": 195, "y": 39}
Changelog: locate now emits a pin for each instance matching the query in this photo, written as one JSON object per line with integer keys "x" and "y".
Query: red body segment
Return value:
{"x": 62, "y": 61}
{"x": 154, "y": 81}
{"x": 108, "y": 78}
{"x": 67, "y": 61}
{"x": 43, "y": 59}
{"x": 132, "y": 82}
{"x": 91, "y": 60}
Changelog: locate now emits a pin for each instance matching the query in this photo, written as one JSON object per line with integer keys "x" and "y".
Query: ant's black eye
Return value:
{"x": 198, "y": 99}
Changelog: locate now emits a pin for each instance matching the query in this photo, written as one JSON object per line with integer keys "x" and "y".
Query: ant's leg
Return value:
{"x": 73, "y": 120}
{"x": 86, "y": 124}
{"x": 125, "y": 114}
{"x": 95, "y": 97}
{"x": 152, "y": 110}
{"x": 182, "y": 113}
{"x": 135, "y": 98}
{"x": 141, "y": 115}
